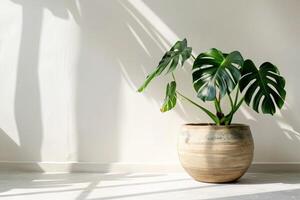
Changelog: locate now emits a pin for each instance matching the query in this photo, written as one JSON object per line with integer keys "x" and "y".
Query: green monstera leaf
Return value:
{"x": 264, "y": 87}
{"x": 214, "y": 70}
{"x": 171, "y": 97}
{"x": 179, "y": 53}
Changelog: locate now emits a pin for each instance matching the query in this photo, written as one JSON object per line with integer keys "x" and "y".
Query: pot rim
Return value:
{"x": 212, "y": 125}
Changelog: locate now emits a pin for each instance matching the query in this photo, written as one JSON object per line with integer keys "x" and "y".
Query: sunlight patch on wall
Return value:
{"x": 162, "y": 31}
{"x": 147, "y": 31}
{"x": 139, "y": 40}
{"x": 161, "y": 39}
{"x": 287, "y": 129}
{"x": 246, "y": 113}
{"x": 154, "y": 20}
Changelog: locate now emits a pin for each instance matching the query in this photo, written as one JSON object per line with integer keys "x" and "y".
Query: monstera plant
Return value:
{"x": 217, "y": 75}
{"x": 219, "y": 151}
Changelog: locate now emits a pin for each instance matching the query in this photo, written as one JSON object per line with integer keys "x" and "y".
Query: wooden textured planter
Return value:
{"x": 216, "y": 154}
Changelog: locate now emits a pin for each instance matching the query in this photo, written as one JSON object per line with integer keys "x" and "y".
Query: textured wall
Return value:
{"x": 69, "y": 72}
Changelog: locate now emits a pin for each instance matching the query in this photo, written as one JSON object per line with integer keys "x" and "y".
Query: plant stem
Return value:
{"x": 219, "y": 111}
{"x": 210, "y": 114}
{"x": 231, "y": 101}
{"x": 236, "y": 96}
{"x": 239, "y": 104}
{"x": 236, "y": 107}
{"x": 173, "y": 76}
{"x": 218, "y": 106}
{"x": 193, "y": 57}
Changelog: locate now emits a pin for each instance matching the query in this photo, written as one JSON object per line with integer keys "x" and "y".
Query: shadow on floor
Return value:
{"x": 291, "y": 194}
{"x": 88, "y": 186}
{"x": 57, "y": 182}
{"x": 268, "y": 178}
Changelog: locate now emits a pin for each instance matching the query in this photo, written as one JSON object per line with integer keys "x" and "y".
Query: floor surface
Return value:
{"x": 87, "y": 186}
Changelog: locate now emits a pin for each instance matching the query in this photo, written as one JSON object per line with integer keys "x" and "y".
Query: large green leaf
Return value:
{"x": 171, "y": 97}
{"x": 179, "y": 53}
{"x": 212, "y": 70}
{"x": 264, "y": 86}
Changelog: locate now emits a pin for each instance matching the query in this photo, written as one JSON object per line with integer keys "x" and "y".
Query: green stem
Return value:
{"x": 231, "y": 101}
{"x": 236, "y": 96}
{"x": 210, "y": 114}
{"x": 218, "y": 106}
{"x": 173, "y": 76}
{"x": 239, "y": 104}
{"x": 236, "y": 107}
{"x": 193, "y": 57}
{"x": 220, "y": 113}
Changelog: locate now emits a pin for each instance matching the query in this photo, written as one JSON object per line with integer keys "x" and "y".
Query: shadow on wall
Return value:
{"x": 8, "y": 145}
{"x": 153, "y": 26}
{"x": 98, "y": 82}
{"x": 125, "y": 40}
{"x": 28, "y": 114}
{"x": 27, "y": 94}
{"x": 116, "y": 45}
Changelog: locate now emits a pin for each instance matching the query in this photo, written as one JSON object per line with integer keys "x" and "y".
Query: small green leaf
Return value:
{"x": 179, "y": 53}
{"x": 263, "y": 86}
{"x": 171, "y": 97}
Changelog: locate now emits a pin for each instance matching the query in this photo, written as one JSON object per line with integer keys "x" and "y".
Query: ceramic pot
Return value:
{"x": 215, "y": 154}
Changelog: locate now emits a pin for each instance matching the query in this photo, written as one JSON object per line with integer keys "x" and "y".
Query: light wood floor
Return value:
{"x": 79, "y": 186}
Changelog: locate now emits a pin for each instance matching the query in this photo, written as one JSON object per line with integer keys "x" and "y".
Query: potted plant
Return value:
{"x": 220, "y": 151}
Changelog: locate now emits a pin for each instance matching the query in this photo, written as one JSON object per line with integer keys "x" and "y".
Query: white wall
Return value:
{"x": 69, "y": 72}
